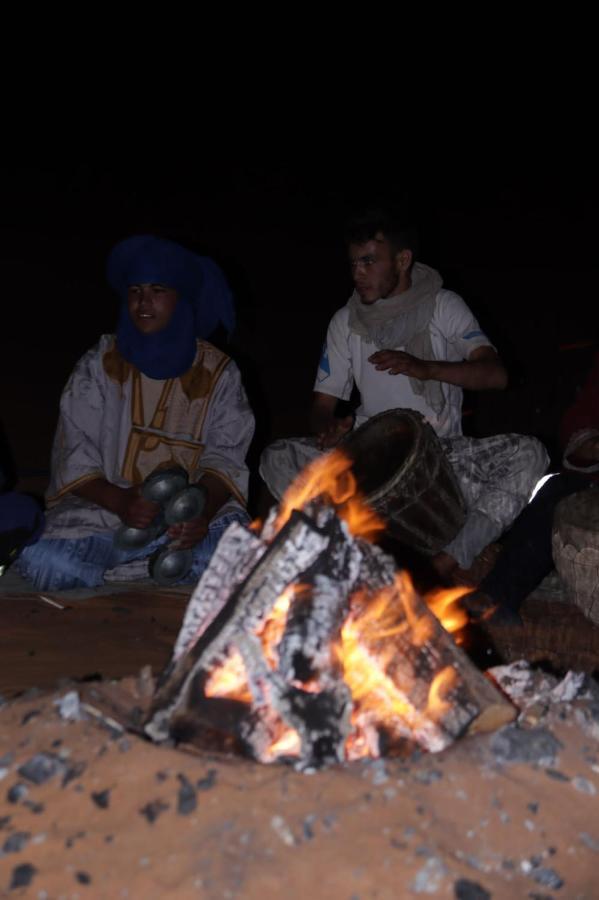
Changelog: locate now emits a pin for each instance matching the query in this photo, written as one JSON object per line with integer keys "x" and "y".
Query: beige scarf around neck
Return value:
{"x": 403, "y": 320}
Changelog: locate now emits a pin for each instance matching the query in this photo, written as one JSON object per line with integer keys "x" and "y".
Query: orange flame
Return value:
{"x": 444, "y": 603}
{"x": 288, "y": 744}
{"x": 229, "y": 679}
{"x": 443, "y": 682}
{"x": 272, "y": 629}
{"x": 330, "y": 476}
{"x": 383, "y": 692}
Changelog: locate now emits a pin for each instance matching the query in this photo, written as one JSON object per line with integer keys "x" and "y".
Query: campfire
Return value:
{"x": 303, "y": 642}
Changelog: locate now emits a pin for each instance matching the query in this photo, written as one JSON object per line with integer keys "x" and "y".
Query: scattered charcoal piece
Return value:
{"x": 69, "y": 706}
{"x": 152, "y": 810}
{"x": 463, "y": 889}
{"x": 56, "y": 743}
{"x": 102, "y": 798}
{"x": 35, "y": 808}
{"x": 547, "y": 877}
{"x": 584, "y": 785}
{"x": 587, "y": 839}
{"x": 76, "y": 837}
{"x": 208, "y": 781}
{"x": 4, "y": 821}
{"x": 557, "y": 775}
{"x": 22, "y": 876}
{"x": 7, "y": 760}
{"x": 161, "y": 776}
{"x": 429, "y": 776}
{"x": 307, "y": 827}
{"x": 41, "y": 768}
{"x": 30, "y": 715}
{"x": 329, "y": 821}
{"x": 15, "y": 842}
{"x": 17, "y": 792}
{"x": 533, "y": 808}
{"x": 399, "y": 845}
{"x": 187, "y": 799}
{"x": 109, "y": 839}
{"x": 83, "y": 878}
{"x": 517, "y": 745}
{"x": 428, "y": 879}
{"x": 472, "y": 861}
{"x": 73, "y": 772}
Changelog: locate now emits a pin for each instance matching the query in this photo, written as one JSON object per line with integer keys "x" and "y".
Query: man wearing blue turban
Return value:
{"x": 153, "y": 396}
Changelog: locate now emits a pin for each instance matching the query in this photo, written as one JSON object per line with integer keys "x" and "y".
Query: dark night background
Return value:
{"x": 517, "y": 241}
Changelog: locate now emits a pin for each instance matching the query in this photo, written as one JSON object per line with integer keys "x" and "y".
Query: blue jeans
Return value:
{"x": 56, "y": 565}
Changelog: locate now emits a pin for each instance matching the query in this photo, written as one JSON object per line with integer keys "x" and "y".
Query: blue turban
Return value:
{"x": 205, "y": 301}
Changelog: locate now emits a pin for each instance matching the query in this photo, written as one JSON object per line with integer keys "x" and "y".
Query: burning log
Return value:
{"x": 305, "y": 642}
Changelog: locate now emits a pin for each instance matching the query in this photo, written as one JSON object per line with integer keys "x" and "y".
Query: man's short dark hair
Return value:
{"x": 364, "y": 226}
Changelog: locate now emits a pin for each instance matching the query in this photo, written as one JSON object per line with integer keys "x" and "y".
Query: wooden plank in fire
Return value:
{"x": 235, "y": 556}
{"x": 294, "y": 549}
{"x": 416, "y": 650}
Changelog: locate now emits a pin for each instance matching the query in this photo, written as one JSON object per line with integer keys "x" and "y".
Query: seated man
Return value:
{"x": 154, "y": 395}
{"x": 407, "y": 343}
{"x": 526, "y": 557}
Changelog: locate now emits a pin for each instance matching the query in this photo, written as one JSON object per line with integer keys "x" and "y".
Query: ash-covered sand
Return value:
{"x": 89, "y": 811}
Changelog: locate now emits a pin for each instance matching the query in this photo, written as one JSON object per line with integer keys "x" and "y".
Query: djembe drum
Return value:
{"x": 401, "y": 469}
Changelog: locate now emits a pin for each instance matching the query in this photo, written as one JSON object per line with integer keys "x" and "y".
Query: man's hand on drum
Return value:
{"x": 333, "y": 432}
{"x": 396, "y": 362}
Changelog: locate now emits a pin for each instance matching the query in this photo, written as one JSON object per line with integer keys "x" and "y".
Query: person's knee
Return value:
{"x": 535, "y": 454}
{"x": 52, "y": 565}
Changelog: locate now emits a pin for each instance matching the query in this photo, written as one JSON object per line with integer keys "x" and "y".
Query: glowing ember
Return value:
{"x": 271, "y": 631}
{"x": 229, "y": 680}
{"x": 330, "y": 477}
{"x": 287, "y": 745}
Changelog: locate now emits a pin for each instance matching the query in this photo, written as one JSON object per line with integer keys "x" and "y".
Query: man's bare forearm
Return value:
{"x": 472, "y": 375}
{"x": 103, "y": 493}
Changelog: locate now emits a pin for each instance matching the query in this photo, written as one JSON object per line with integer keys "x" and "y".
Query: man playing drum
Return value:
{"x": 405, "y": 342}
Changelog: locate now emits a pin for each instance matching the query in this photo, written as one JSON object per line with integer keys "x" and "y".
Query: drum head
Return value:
{"x": 382, "y": 448}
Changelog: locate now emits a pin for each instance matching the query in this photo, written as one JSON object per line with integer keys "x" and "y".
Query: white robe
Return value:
{"x": 201, "y": 421}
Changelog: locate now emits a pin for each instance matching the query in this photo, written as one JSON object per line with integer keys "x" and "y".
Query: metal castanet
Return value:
{"x": 168, "y": 565}
{"x": 185, "y": 505}
{"x": 403, "y": 473}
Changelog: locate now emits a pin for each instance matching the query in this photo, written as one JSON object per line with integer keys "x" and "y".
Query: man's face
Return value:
{"x": 374, "y": 269}
{"x": 151, "y": 306}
